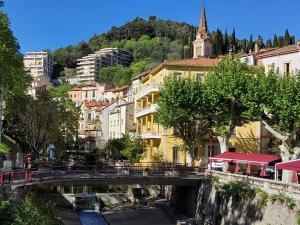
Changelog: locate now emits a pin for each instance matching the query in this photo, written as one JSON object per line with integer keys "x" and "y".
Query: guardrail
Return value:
{"x": 270, "y": 186}
{"x": 56, "y": 170}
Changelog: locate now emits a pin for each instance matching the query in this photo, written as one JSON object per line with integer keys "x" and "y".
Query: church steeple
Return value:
{"x": 202, "y": 45}
{"x": 203, "y": 29}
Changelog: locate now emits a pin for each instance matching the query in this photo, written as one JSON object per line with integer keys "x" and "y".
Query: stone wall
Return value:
{"x": 214, "y": 209}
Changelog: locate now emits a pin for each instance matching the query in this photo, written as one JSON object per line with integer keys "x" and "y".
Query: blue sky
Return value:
{"x": 40, "y": 24}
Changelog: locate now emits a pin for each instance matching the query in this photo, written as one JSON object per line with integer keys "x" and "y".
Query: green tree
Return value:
{"x": 13, "y": 79}
{"x": 251, "y": 43}
{"x": 35, "y": 123}
{"x": 117, "y": 75}
{"x": 224, "y": 87}
{"x": 287, "y": 38}
{"x": 269, "y": 43}
{"x": 274, "y": 100}
{"x": 181, "y": 107}
{"x": 275, "y": 41}
{"x": 134, "y": 148}
{"x": 280, "y": 41}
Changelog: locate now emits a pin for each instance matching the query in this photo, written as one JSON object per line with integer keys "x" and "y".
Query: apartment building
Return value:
{"x": 121, "y": 120}
{"x": 89, "y": 120}
{"x": 89, "y": 66}
{"x": 40, "y": 66}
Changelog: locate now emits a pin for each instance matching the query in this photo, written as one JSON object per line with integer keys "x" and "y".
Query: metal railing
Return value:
{"x": 61, "y": 169}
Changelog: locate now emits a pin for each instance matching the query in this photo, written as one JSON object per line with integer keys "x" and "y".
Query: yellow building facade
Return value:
{"x": 160, "y": 143}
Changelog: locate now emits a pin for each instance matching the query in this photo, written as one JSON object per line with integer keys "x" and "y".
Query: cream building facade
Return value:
{"x": 40, "y": 67}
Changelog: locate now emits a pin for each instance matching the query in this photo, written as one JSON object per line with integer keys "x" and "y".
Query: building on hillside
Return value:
{"x": 75, "y": 95}
{"x": 160, "y": 142}
{"x": 90, "y": 122}
{"x": 40, "y": 66}
{"x": 202, "y": 44}
{"x": 89, "y": 92}
{"x": 105, "y": 117}
{"x": 89, "y": 66}
{"x": 121, "y": 120}
{"x": 285, "y": 61}
{"x": 114, "y": 93}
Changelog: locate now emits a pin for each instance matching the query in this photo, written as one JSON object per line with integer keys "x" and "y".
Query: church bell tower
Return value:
{"x": 202, "y": 45}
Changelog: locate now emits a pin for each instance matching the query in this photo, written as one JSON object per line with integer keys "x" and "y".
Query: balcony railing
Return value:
{"x": 144, "y": 91}
{"x": 150, "y": 135}
{"x": 147, "y": 110}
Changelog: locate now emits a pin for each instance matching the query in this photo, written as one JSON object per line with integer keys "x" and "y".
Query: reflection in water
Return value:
{"x": 91, "y": 218}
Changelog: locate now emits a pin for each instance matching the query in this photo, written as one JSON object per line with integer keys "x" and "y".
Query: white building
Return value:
{"x": 284, "y": 60}
{"x": 89, "y": 66}
{"x": 121, "y": 120}
{"x": 40, "y": 66}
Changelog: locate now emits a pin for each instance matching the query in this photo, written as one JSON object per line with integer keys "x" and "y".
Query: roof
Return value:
{"x": 117, "y": 89}
{"x": 245, "y": 158}
{"x": 95, "y": 104}
{"x": 279, "y": 51}
{"x": 199, "y": 62}
{"x": 76, "y": 89}
{"x": 290, "y": 165}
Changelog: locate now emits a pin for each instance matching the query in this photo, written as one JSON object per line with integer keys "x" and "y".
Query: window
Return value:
{"x": 287, "y": 68}
{"x": 177, "y": 74}
{"x": 89, "y": 116}
{"x": 175, "y": 154}
{"x": 200, "y": 77}
{"x": 86, "y": 94}
{"x": 94, "y": 93}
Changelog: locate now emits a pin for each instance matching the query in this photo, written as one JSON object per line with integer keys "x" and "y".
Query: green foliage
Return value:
{"x": 127, "y": 147}
{"x": 35, "y": 123}
{"x": 113, "y": 148}
{"x": 284, "y": 199}
{"x": 134, "y": 148}
{"x": 238, "y": 190}
{"x": 118, "y": 75}
{"x": 263, "y": 197}
{"x": 298, "y": 217}
{"x": 224, "y": 87}
{"x": 182, "y": 108}
{"x": 29, "y": 211}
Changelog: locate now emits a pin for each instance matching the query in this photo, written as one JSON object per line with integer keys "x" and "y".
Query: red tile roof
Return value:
{"x": 199, "y": 62}
{"x": 95, "y": 104}
{"x": 279, "y": 51}
{"x": 76, "y": 89}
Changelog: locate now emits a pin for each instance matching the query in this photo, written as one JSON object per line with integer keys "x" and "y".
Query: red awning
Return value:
{"x": 289, "y": 165}
{"x": 245, "y": 158}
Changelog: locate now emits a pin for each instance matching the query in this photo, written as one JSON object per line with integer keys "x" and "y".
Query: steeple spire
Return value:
{"x": 203, "y": 29}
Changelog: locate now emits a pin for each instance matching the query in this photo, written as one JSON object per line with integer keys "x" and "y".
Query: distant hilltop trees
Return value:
{"x": 154, "y": 40}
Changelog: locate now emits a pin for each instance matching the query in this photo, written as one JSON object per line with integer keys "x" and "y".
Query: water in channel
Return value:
{"x": 91, "y": 218}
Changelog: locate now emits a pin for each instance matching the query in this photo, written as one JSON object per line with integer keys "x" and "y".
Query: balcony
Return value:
{"x": 145, "y": 111}
{"x": 147, "y": 90}
{"x": 150, "y": 135}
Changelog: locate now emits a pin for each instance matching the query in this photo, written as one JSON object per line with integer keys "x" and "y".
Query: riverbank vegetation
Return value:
{"x": 29, "y": 211}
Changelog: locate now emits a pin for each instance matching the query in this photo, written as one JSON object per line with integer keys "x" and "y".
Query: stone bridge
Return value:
{"x": 126, "y": 175}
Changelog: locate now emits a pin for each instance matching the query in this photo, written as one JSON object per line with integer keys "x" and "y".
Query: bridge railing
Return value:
{"x": 54, "y": 170}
